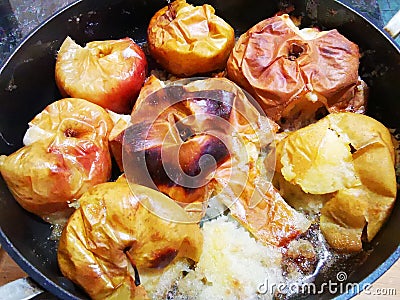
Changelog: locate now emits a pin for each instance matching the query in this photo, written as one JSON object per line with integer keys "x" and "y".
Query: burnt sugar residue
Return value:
{"x": 311, "y": 266}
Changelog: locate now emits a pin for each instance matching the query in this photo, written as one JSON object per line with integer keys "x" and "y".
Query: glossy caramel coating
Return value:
{"x": 187, "y": 40}
{"x": 109, "y": 73}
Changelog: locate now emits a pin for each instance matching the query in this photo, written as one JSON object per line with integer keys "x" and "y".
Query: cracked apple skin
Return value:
{"x": 65, "y": 153}
{"x": 111, "y": 233}
{"x": 345, "y": 165}
{"x": 109, "y": 73}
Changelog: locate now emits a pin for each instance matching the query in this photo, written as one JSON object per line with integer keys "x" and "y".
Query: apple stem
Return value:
{"x": 137, "y": 277}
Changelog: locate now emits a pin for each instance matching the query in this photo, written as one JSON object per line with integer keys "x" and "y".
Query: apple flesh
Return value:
{"x": 343, "y": 167}
{"x": 109, "y": 73}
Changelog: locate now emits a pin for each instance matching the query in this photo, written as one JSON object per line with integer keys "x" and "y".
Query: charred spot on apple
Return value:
{"x": 163, "y": 258}
{"x": 180, "y": 146}
{"x": 197, "y": 158}
{"x": 185, "y": 132}
{"x": 221, "y": 107}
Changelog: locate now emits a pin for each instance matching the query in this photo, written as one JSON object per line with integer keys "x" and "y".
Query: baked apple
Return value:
{"x": 344, "y": 163}
{"x": 297, "y": 75}
{"x": 172, "y": 130}
{"x": 66, "y": 153}
{"x": 112, "y": 238}
{"x": 193, "y": 139}
{"x": 109, "y": 73}
{"x": 187, "y": 40}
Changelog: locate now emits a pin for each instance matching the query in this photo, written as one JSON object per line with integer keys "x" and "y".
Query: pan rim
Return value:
{"x": 59, "y": 291}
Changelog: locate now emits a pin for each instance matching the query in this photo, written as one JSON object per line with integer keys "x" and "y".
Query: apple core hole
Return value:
{"x": 104, "y": 51}
{"x": 69, "y": 132}
{"x": 295, "y": 51}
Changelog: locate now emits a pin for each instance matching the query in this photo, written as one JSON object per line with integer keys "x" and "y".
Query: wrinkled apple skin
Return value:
{"x": 187, "y": 40}
{"x": 157, "y": 134}
{"x": 109, "y": 73}
{"x": 112, "y": 232}
{"x": 292, "y": 73}
{"x": 69, "y": 156}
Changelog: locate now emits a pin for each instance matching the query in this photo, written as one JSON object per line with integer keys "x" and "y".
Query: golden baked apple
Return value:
{"x": 297, "y": 75}
{"x": 109, "y": 73}
{"x": 187, "y": 40}
{"x": 66, "y": 152}
{"x": 345, "y": 164}
{"x": 193, "y": 139}
{"x": 112, "y": 238}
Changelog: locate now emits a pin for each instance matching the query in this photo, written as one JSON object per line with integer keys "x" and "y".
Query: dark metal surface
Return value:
{"x": 27, "y": 86}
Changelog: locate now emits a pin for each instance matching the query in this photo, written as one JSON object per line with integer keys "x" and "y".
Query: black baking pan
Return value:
{"x": 27, "y": 85}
